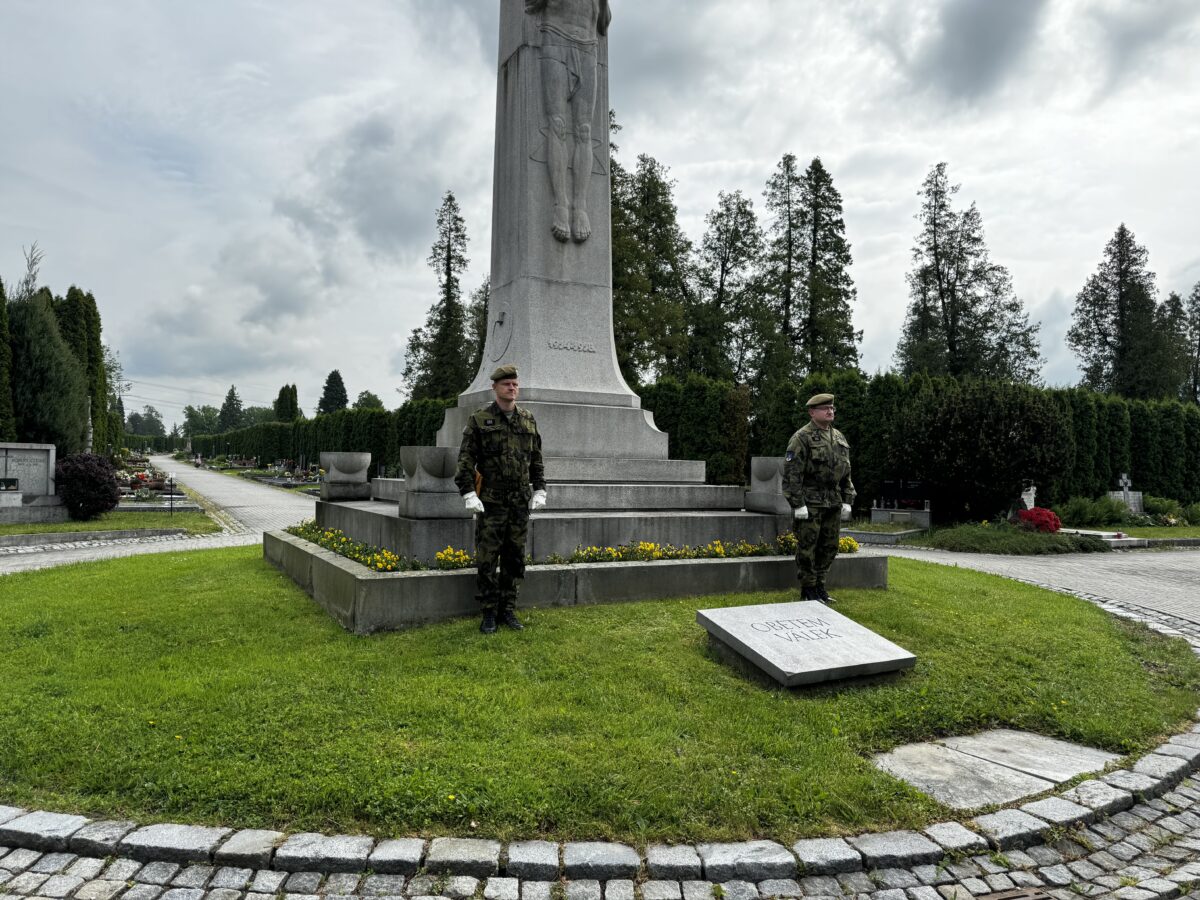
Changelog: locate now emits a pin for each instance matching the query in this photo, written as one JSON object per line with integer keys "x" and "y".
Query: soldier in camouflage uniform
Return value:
{"x": 501, "y": 443}
{"x": 816, "y": 482}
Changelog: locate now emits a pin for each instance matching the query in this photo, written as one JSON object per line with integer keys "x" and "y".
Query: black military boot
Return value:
{"x": 808, "y": 593}
{"x": 509, "y": 618}
{"x": 823, "y": 595}
{"x": 488, "y": 625}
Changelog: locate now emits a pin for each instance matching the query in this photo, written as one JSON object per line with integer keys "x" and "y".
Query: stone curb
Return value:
{"x": 583, "y": 862}
{"x": 37, "y": 539}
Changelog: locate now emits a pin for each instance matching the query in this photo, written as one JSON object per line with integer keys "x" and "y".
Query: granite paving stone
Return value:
{"x": 26, "y": 883}
{"x": 173, "y": 843}
{"x": 824, "y": 885}
{"x": 895, "y": 848}
{"x": 855, "y": 883}
{"x": 53, "y": 863}
{"x": 318, "y": 852}
{"x": 963, "y": 868}
{"x": 401, "y": 856}
{"x": 267, "y": 881}
{"x": 100, "y": 838}
{"x": 748, "y": 860}
{"x": 659, "y": 889}
{"x": 5, "y": 875}
{"x": 895, "y": 878}
{"x": 599, "y": 860}
{"x": 1109, "y": 830}
{"x": 1020, "y": 859}
{"x": 827, "y": 856}
{"x": 923, "y": 893}
{"x": 679, "y": 862}
{"x": 1105, "y": 860}
{"x": 889, "y": 894}
{"x": 99, "y": 890}
{"x": 1132, "y": 893}
{"x": 20, "y": 859}
{"x": 618, "y": 889}
{"x": 231, "y": 894}
{"x": 931, "y": 875}
{"x": 193, "y": 877}
{"x": 990, "y": 865}
{"x": 502, "y": 889}
{"x": 86, "y": 868}
{"x": 694, "y": 890}
{"x": 1084, "y": 870}
{"x": 954, "y": 892}
{"x": 737, "y": 889}
{"x": 423, "y": 884}
{"x": 1134, "y": 782}
{"x": 302, "y": 896}
{"x": 536, "y": 860}
{"x": 459, "y": 887}
{"x": 232, "y": 878}
{"x": 342, "y": 883}
{"x": 536, "y": 890}
{"x": 183, "y": 894}
{"x": 41, "y": 830}
{"x": 1010, "y": 828}
{"x": 8, "y": 813}
{"x": 158, "y": 872}
{"x": 250, "y": 848}
{"x": 976, "y": 886}
{"x": 1123, "y": 851}
{"x": 382, "y": 885}
{"x": 999, "y": 882}
{"x": 1147, "y": 809}
{"x": 584, "y": 889}
{"x": 1160, "y": 887}
{"x": 142, "y": 892}
{"x": 122, "y": 869}
{"x": 1026, "y": 879}
{"x": 1169, "y": 770}
{"x": 1057, "y": 875}
{"x": 1058, "y": 811}
{"x": 303, "y": 882}
{"x": 955, "y": 837}
{"x": 1188, "y": 754}
{"x": 464, "y": 856}
{"x": 779, "y": 887}
{"x": 58, "y": 886}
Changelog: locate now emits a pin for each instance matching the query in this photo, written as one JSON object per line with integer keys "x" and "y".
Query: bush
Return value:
{"x": 1009, "y": 540}
{"x": 1162, "y": 506}
{"x": 1080, "y": 511}
{"x": 1039, "y": 519}
{"x": 87, "y": 484}
{"x": 1192, "y": 514}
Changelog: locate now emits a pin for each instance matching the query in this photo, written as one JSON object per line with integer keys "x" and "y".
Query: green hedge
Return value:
{"x": 706, "y": 420}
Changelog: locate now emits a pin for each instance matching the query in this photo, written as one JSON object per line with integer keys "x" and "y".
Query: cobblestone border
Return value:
{"x": 1108, "y": 834}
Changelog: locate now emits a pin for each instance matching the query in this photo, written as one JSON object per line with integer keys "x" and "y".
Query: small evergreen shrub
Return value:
{"x": 1162, "y": 506}
{"x": 87, "y": 484}
{"x": 1192, "y": 514}
{"x": 1079, "y": 512}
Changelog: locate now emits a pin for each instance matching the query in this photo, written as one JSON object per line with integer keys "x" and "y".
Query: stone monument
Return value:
{"x": 27, "y": 488}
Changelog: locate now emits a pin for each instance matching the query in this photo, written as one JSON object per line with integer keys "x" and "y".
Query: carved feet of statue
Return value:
{"x": 581, "y": 225}
{"x": 561, "y": 229}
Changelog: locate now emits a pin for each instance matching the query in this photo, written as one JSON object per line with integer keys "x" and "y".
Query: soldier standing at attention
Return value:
{"x": 501, "y": 443}
{"x": 817, "y": 485}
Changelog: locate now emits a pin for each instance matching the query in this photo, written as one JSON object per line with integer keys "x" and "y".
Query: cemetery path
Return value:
{"x": 244, "y": 508}
{"x": 1156, "y": 582}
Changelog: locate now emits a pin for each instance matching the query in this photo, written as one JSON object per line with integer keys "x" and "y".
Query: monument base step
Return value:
{"x": 577, "y": 496}
{"x": 363, "y": 601}
{"x": 551, "y": 533}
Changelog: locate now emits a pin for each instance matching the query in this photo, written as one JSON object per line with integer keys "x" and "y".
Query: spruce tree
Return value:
{"x": 783, "y": 269}
{"x": 231, "y": 415}
{"x": 438, "y": 360}
{"x": 1192, "y": 386}
{"x": 333, "y": 395}
{"x": 1114, "y": 330}
{"x": 827, "y": 341}
{"x": 49, "y": 385}
{"x": 964, "y": 318}
{"x": 8, "y": 425}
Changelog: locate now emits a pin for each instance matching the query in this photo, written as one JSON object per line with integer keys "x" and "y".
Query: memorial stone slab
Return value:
{"x": 32, "y": 465}
{"x": 1034, "y": 754}
{"x": 803, "y": 643}
{"x": 956, "y": 779}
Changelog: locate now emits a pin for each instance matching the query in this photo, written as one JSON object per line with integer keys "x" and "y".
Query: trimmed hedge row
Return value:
{"x": 975, "y": 444}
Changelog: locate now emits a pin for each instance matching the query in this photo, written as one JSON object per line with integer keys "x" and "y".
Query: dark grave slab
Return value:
{"x": 802, "y": 643}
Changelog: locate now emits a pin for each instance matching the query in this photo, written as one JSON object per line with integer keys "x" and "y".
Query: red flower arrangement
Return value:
{"x": 1039, "y": 519}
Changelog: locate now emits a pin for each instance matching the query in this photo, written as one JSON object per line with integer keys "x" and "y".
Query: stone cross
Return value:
{"x": 1125, "y": 484}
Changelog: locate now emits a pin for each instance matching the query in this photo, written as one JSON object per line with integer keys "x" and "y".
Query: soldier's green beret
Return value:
{"x": 819, "y": 400}
{"x": 504, "y": 372}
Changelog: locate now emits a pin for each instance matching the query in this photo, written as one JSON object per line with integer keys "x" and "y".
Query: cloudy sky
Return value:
{"x": 249, "y": 188}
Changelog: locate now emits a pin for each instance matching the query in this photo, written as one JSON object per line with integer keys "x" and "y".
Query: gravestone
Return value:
{"x": 802, "y": 643}
{"x": 27, "y": 472}
{"x": 1132, "y": 499}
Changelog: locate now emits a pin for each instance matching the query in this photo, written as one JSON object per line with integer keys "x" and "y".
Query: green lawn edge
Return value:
{"x": 192, "y": 521}
{"x": 205, "y": 687}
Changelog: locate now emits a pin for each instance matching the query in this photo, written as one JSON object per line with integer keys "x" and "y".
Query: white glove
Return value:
{"x": 800, "y": 513}
{"x": 538, "y": 500}
{"x": 474, "y": 504}
{"x": 845, "y": 512}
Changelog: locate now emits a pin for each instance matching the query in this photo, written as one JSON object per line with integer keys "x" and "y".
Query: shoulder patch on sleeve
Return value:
{"x": 790, "y": 455}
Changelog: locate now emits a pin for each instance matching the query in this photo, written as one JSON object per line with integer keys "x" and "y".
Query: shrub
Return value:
{"x": 1192, "y": 514}
{"x": 87, "y": 484}
{"x": 1162, "y": 506}
{"x": 1079, "y": 511}
{"x": 1008, "y": 539}
{"x": 1039, "y": 519}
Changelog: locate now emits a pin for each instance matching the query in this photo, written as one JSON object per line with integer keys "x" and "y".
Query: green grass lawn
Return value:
{"x": 195, "y": 522}
{"x": 205, "y": 687}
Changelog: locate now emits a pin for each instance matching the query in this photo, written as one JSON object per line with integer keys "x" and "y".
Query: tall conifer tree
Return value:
{"x": 8, "y": 425}
{"x": 333, "y": 396}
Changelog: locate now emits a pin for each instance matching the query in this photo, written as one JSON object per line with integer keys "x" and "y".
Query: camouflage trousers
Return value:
{"x": 500, "y": 554}
{"x": 817, "y": 544}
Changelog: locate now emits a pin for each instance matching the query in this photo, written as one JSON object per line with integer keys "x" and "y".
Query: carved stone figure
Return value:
{"x": 570, "y": 32}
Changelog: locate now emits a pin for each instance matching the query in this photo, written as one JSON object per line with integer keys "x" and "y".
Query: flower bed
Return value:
{"x": 636, "y": 551}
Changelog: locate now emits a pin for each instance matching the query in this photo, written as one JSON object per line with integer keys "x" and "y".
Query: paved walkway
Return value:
{"x": 1163, "y": 582}
{"x": 244, "y": 508}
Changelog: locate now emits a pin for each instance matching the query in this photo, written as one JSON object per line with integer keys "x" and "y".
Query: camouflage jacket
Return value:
{"x": 507, "y": 452}
{"x": 816, "y": 469}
